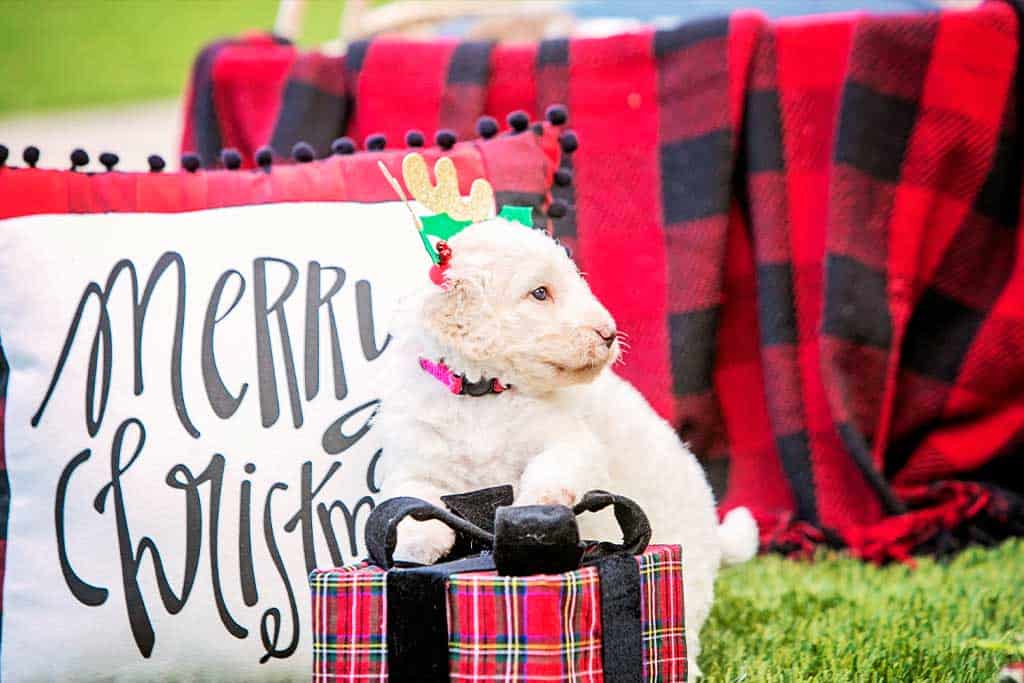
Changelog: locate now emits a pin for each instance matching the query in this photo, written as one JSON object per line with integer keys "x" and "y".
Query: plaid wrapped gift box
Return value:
{"x": 504, "y": 628}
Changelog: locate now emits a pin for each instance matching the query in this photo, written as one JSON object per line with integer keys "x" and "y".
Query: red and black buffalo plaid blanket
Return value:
{"x": 810, "y": 230}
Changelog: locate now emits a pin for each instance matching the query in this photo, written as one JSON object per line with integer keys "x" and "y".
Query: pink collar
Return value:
{"x": 458, "y": 384}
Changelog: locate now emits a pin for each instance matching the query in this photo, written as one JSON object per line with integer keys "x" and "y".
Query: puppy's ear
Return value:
{"x": 461, "y": 318}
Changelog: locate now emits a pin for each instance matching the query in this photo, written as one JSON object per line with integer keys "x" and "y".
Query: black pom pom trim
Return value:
{"x": 557, "y": 114}
{"x": 569, "y": 142}
{"x": 4, "y": 153}
{"x": 487, "y": 127}
{"x": 231, "y": 159}
{"x": 445, "y": 139}
{"x": 343, "y": 146}
{"x": 557, "y": 209}
{"x": 265, "y": 157}
{"x": 190, "y": 162}
{"x": 109, "y": 160}
{"x": 79, "y": 157}
{"x": 375, "y": 142}
{"x": 563, "y": 177}
{"x": 31, "y": 156}
{"x": 303, "y": 152}
{"x": 156, "y": 163}
{"x": 518, "y": 121}
{"x": 537, "y": 128}
{"x": 414, "y": 138}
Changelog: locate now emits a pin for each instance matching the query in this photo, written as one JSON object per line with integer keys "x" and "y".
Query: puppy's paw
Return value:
{"x": 550, "y": 494}
{"x": 423, "y": 542}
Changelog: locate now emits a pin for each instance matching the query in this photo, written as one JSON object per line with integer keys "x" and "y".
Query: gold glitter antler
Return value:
{"x": 444, "y": 197}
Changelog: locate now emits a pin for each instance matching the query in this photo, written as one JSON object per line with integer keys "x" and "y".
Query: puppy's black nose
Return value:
{"x": 608, "y": 334}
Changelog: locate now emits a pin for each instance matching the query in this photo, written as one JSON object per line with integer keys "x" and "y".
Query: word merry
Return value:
{"x": 268, "y": 313}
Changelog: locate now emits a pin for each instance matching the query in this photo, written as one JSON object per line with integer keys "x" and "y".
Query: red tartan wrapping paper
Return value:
{"x": 501, "y": 628}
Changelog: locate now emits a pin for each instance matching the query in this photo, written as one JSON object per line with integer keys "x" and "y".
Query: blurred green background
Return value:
{"x": 63, "y": 54}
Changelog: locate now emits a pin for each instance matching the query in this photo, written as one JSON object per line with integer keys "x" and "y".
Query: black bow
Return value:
{"x": 530, "y": 539}
{"x": 517, "y": 541}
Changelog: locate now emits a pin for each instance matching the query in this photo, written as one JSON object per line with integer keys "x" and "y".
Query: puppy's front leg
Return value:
{"x": 415, "y": 460}
{"x": 422, "y": 542}
{"x": 569, "y": 466}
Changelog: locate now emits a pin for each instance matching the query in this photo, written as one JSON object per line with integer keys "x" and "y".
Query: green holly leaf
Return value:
{"x": 518, "y": 214}
{"x": 431, "y": 251}
{"x": 442, "y": 226}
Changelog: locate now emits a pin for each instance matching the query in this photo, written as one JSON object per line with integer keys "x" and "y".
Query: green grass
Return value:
{"x": 60, "y": 54}
{"x": 837, "y": 619}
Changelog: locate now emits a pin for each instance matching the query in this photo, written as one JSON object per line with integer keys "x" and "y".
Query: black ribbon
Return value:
{"x": 517, "y": 541}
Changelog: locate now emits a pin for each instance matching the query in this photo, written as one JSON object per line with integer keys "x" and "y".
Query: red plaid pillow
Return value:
{"x": 519, "y": 168}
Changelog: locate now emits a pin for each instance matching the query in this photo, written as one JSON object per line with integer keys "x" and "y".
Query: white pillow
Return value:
{"x": 298, "y": 418}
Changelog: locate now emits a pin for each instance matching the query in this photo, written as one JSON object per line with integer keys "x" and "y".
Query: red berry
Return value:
{"x": 444, "y": 253}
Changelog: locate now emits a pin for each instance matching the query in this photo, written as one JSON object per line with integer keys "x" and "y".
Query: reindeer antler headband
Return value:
{"x": 444, "y": 197}
{"x": 454, "y": 212}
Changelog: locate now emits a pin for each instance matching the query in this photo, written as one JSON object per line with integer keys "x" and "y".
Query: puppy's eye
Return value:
{"x": 540, "y": 294}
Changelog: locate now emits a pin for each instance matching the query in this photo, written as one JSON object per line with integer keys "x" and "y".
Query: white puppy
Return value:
{"x": 515, "y": 309}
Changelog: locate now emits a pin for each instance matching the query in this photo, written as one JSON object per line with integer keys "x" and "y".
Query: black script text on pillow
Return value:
{"x": 128, "y": 443}
{"x": 266, "y": 304}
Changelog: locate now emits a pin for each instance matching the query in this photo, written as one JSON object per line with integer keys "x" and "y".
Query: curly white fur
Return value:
{"x": 569, "y": 424}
